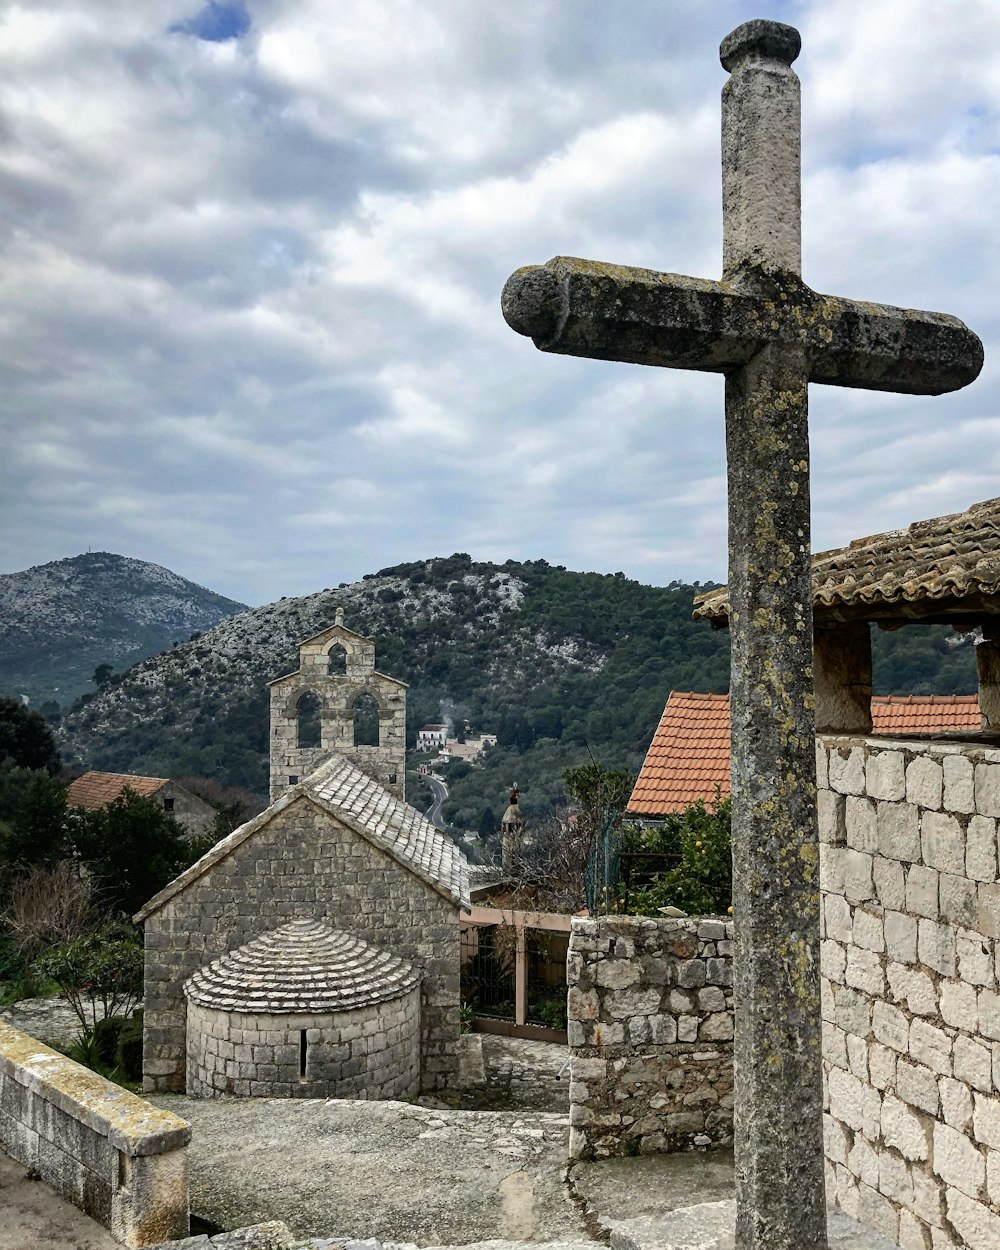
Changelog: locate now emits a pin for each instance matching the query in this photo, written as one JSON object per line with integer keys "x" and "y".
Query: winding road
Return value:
{"x": 440, "y": 792}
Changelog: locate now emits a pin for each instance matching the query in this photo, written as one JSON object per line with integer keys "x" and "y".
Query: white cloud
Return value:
{"x": 250, "y": 325}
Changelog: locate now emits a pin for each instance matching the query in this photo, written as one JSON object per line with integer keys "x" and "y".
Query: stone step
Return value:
{"x": 276, "y": 1235}
{"x": 711, "y": 1225}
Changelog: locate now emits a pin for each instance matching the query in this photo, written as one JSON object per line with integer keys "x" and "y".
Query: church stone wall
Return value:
{"x": 370, "y": 1052}
{"x": 303, "y": 864}
{"x": 650, "y": 1035}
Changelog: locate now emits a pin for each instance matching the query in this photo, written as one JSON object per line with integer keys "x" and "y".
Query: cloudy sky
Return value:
{"x": 252, "y": 255}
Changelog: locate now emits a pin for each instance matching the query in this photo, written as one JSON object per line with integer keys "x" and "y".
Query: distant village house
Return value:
{"x": 429, "y": 737}
{"x": 95, "y": 790}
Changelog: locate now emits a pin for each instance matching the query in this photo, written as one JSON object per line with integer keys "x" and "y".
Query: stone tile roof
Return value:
{"x": 395, "y": 826}
{"x": 689, "y": 754}
{"x": 931, "y": 562}
{"x": 303, "y": 966}
{"x": 365, "y": 806}
{"x": 94, "y": 790}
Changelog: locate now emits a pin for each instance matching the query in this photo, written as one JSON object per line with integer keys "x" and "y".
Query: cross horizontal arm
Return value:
{"x": 612, "y": 312}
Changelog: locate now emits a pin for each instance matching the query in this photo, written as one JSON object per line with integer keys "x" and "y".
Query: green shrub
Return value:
{"x": 101, "y": 974}
{"x": 128, "y": 1055}
{"x": 553, "y": 1012}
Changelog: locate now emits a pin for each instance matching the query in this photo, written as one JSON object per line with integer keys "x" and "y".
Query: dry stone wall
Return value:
{"x": 303, "y": 864}
{"x": 650, "y": 1035}
{"x": 911, "y": 1009}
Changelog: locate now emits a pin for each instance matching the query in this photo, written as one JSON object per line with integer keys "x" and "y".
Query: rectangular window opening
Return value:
{"x": 168, "y": 805}
{"x": 303, "y": 1049}
{"x": 293, "y": 779}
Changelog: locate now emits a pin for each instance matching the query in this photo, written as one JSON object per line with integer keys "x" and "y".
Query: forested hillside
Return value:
{"x": 561, "y": 665}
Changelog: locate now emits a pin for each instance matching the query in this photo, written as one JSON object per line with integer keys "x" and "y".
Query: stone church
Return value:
{"x": 315, "y": 951}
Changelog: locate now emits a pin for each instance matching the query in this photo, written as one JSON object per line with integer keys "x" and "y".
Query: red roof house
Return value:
{"x": 94, "y": 790}
{"x": 689, "y": 754}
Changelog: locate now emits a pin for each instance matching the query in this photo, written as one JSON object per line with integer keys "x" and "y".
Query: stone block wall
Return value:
{"x": 303, "y": 864}
{"x": 194, "y": 814}
{"x": 370, "y": 1052}
{"x": 650, "y": 1034}
{"x": 116, "y": 1157}
{"x": 911, "y": 1035}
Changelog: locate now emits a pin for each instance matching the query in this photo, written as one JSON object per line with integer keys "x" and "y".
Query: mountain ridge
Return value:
{"x": 60, "y": 620}
{"x": 561, "y": 665}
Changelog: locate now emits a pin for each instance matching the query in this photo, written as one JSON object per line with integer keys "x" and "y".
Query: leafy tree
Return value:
{"x": 26, "y": 740}
{"x": 701, "y": 881}
{"x": 132, "y": 849}
{"x": 103, "y": 675}
{"x": 103, "y": 968}
{"x": 599, "y": 791}
{"x": 32, "y": 819}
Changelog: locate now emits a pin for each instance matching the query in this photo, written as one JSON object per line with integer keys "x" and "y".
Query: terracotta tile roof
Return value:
{"x": 367, "y": 807}
{"x": 930, "y": 563}
{"x": 689, "y": 754}
{"x": 688, "y": 757}
{"x": 925, "y": 713}
{"x": 94, "y": 790}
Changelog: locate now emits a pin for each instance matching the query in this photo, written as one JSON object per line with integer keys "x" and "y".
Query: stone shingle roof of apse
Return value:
{"x": 689, "y": 754}
{"x": 301, "y": 966}
{"x": 949, "y": 562}
{"x": 365, "y": 806}
{"x": 94, "y": 789}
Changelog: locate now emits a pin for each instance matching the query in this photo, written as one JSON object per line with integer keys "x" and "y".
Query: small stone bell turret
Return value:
{"x": 511, "y": 831}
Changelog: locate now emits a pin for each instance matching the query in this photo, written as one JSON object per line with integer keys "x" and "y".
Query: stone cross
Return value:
{"x": 769, "y": 335}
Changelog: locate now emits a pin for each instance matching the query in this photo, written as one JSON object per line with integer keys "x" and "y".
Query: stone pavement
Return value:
{"x": 33, "y": 1217}
{"x": 401, "y": 1173}
{"x": 390, "y": 1170}
{"x": 509, "y": 1074}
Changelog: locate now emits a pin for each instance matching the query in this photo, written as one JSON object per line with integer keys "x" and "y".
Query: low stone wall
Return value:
{"x": 650, "y": 1035}
{"x": 116, "y": 1157}
{"x": 371, "y": 1052}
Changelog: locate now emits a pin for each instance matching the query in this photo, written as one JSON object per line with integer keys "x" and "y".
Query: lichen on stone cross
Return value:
{"x": 769, "y": 335}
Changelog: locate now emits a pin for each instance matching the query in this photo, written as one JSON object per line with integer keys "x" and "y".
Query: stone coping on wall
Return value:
{"x": 131, "y": 1125}
{"x": 975, "y": 746}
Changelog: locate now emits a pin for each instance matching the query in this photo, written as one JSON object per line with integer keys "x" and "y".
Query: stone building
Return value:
{"x": 945, "y": 571}
{"x": 338, "y": 848}
{"x": 909, "y": 873}
{"x": 94, "y": 790}
{"x": 335, "y": 701}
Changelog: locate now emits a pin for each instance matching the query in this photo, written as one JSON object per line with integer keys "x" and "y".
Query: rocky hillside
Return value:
{"x": 558, "y": 664}
{"x": 60, "y": 621}
{"x": 548, "y": 659}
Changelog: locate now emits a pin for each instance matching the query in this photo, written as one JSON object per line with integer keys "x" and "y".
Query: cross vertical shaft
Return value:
{"x": 780, "y": 1197}
{"x": 770, "y": 335}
